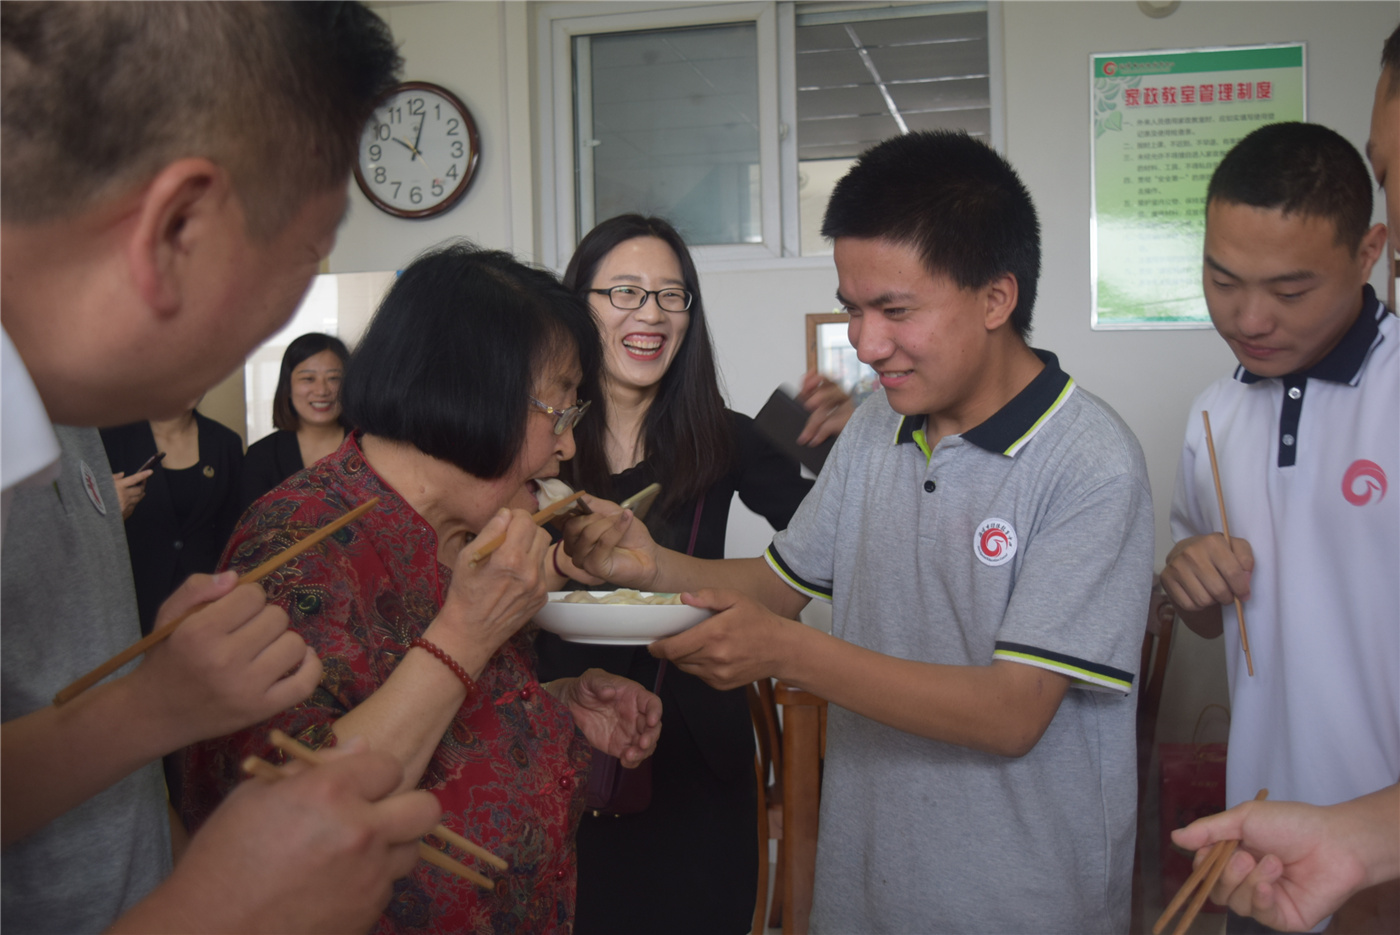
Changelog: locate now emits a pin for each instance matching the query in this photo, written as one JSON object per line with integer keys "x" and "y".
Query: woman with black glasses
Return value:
{"x": 688, "y": 862}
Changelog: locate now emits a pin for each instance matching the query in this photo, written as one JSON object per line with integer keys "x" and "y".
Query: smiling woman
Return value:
{"x": 306, "y": 411}
{"x": 660, "y": 418}
{"x": 422, "y": 645}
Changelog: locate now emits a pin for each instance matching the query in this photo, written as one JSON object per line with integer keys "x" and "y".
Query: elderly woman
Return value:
{"x": 464, "y": 392}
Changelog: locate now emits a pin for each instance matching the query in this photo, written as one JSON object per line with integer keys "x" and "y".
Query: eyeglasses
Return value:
{"x": 631, "y": 298}
{"x": 564, "y": 419}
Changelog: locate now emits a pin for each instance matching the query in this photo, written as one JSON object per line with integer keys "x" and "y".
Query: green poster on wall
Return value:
{"x": 1161, "y": 123}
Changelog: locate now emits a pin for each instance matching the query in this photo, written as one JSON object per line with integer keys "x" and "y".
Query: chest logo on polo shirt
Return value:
{"x": 90, "y": 485}
{"x": 994, "y": 542}
{"x": 1363, "y": 481}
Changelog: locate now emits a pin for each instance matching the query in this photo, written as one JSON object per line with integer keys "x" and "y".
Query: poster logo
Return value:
{"x": 994, "y": 542}
{"x": 1110, "y": 68}
{"x": 1362, "y": 481}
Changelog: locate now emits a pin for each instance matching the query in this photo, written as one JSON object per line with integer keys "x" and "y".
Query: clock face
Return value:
{"x": 418, "y": 151}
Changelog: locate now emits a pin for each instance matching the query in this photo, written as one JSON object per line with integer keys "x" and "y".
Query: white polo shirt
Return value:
{"x": 1310, "y": 468}
{"x": 28, "y": 447}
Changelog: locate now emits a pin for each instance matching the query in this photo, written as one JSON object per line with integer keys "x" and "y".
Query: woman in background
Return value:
{"x": 179, "y": 514}
{"x": 306, "y": 412}
{"x": 180, "y": 517}
{"x": 689, "y": 861}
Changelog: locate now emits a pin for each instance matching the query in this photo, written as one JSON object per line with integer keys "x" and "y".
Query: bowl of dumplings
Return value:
{"x": 617, "y": 618}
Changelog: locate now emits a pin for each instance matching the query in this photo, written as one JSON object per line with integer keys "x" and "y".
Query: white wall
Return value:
{"x": 481, "y": 51}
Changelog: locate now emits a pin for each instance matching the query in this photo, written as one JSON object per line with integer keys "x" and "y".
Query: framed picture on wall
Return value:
{"x": 829, "y": 351}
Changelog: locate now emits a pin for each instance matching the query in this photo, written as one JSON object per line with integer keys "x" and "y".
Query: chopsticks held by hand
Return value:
{"x": 163, "y": 633}
{"x": 569, "y": 504}
{"x": 1225, "y": 527}
{"x": 299, "y": 751}
{"x": 262, "y": 769}
{"x": 1207, "y": 874}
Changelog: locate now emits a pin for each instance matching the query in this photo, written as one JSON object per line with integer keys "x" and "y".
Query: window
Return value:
{"x": 864, "y": 75}
{"x": 667, "y": 123}
{"x": 735, "y": 120}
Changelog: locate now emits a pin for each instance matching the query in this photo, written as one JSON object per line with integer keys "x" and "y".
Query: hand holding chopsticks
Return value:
{"x": 1225, "y": 527}
{"x": 261, "y": 768}
{"x": 1205, "y": 876}
{"x": 570, "y": 504}
{"x": 163, "y": 633}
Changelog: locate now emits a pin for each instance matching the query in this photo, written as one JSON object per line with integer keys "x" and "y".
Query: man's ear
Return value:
{"x": 1001, "y": 295}
{"x": 1371, "y": 249}
{"x": 178, "y": 208}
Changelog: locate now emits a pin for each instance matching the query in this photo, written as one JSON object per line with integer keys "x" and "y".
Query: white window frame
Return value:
{"x": 559, "y": 22}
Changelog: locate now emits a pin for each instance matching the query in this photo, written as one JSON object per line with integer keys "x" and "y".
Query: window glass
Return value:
{"x": 667, "y": 123}
{"x": 866, "y": 75}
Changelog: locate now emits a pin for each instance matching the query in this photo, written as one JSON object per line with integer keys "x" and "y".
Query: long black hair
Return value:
{"x": 686, "y": 434}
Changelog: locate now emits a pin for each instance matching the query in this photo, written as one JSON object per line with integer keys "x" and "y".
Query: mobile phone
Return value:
{"x": 781, "y": 420}
{"x": 151, "y": 462}
{"x": 641, "y": 501}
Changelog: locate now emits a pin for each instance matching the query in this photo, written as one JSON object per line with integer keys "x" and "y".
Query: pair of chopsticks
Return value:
{"x": 1206, "y": 874}
{"x": 1225, "y": 527}
{"x": 569, "y": 505}
{"x": 262, "y": 769}
{"x": 163, "y": 633}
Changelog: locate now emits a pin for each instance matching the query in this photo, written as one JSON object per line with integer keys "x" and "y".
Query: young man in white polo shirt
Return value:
{"x": 1307, "y": 435}
{"x": 983, "y": 529}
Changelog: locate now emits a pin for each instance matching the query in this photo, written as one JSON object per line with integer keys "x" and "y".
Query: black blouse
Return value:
{"x": 269, "y": 462}
{"x": 703, "y": 799}
{"x": 180, "y": 529}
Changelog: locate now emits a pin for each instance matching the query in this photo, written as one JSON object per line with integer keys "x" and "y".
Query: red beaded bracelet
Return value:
{"x": 446, "y": 660}
{"x": 555, "y": 560}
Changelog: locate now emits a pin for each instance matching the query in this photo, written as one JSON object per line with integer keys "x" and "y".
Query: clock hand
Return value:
{"x": 410, "y": 147}
{"x": 419, "y": 135}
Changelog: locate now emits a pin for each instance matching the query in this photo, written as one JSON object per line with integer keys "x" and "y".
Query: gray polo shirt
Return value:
{"x": 1028, "y": 538}
{"x": 68, "y": 604}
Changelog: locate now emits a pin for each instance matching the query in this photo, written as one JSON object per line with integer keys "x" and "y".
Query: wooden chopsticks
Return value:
{"x": 569, "y": 504}
{"x": 1206, "y": 874}
{"x": 163, "y": 633}
{"x": 304, "y": 753}
{"x": 262, "y": 769}
{"x": 1225, "y": 527}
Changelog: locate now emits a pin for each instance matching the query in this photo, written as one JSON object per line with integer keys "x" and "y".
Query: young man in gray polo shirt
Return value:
{"x": 983, "y": 529}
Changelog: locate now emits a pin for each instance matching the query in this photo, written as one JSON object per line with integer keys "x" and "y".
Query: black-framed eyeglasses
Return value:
{"x": 564, "y": 419}
{"x": 631, "y": 298}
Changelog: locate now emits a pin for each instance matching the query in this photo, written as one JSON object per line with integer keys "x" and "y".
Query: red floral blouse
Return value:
{"x": 509, "y": 772}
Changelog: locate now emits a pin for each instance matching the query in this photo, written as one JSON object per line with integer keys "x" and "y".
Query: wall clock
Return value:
{"x": 418, "y": 151}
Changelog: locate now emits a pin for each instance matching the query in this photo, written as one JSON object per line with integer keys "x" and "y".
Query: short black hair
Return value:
{"x": 98, "y": 97}
{"x": 284, "y": 414}
{"x": 450, "y": 358}
{"x": 1298, "y": 168}
{"x": 1390, "y": 59}
{"x": 953, "y": 199}
{"x": 686, "y": 433}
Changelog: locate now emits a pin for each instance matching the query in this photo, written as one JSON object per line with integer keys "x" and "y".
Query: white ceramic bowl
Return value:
{"x": 615, "y": 624}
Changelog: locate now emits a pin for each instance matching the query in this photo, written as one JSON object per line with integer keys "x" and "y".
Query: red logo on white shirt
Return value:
{"x": 994, "y": 542}
{"x": 1363, "y": 480}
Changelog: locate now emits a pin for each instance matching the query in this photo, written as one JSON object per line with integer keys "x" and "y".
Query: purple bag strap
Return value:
{"x": 689, "y": 550}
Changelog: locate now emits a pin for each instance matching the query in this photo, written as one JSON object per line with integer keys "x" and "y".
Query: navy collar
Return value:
{"x": 1011, "y": 426}
{"x": 1344, "y": 363}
